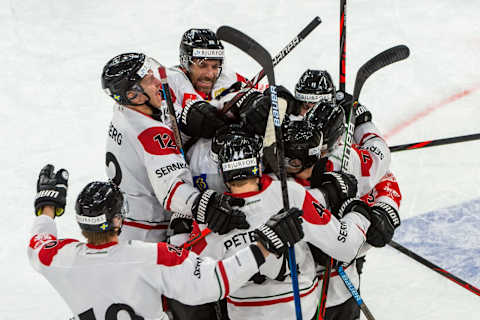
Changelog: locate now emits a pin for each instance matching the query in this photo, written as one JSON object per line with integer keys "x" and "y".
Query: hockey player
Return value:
{"x": 101, "y": 278}
{"x": 304, "y": 146}
{"x": 144, "y": 160}
{"x": 269, "y": 294}
{"x": 314, "y": 86}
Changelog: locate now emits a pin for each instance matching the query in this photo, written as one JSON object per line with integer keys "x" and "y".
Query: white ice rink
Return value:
{"x": 53, "y": 110}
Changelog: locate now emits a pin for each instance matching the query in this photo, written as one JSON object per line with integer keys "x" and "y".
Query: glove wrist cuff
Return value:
{"x": 201, "y": 212}
{"x": 390, "y": 212}
{"x": 257, "y": 254}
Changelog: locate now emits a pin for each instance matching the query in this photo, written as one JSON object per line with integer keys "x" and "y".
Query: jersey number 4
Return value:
{"x": 112, "y": 313}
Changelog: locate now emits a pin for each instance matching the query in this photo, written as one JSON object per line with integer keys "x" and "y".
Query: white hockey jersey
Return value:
{"x": 370, "y": 158}
{"x": 143, "y": 159}
{"x": 273, "y": 299}
{"x": 97, "y": 282}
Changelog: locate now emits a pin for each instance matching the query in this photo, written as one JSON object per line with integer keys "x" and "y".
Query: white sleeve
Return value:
{"x": 340, "y": 239}
{"x": 43, "y": 231}
{"x": 184, "y": 276}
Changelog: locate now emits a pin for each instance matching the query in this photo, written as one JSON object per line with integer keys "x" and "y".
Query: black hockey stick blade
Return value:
{"x": 381, "y": 60}
{"x": 250, "y": 47}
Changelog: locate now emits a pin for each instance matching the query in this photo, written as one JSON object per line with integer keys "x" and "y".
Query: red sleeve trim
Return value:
{"x": 369, "y": 135}
{"x": 50, "y": 249}
{"x": 145, "y": 226}
{"x": 170, "y": 196}
{"x": 169, "y": 255}
{"x": 269, "y": 302}
{"x": 224, "y": 278}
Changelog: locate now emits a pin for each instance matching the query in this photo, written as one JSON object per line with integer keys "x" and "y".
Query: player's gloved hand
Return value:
{"x": 384, "y": 220}
{"x": 354, "y": 205}
{"x": 336, "y": 186}
{"x": 216, "y": 210}
{"x": 282, "y": 230}
{"x": 51, "y": 190}
{"x": 361, "y": 113}
{"x": 201, "y": 119}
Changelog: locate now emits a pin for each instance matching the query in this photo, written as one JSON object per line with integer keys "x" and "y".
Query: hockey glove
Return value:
{"x": 362, "y": 114}
{"x": 336, "y": 186}
{"x": 355, "y": 205}
{"x": 201, "y": 119}
{"x": 51, "y": 190}
{"x": 384, "y": 221}
{"x": 216, "y": 210}
{"x": 282, "y": 230}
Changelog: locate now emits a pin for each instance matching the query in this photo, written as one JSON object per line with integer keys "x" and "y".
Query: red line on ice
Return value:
{"x": 428, "y": 110}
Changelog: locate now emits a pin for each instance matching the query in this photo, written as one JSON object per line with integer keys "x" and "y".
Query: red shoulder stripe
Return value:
{"x": 158, "y": 141}
{"x": 50, "y": 249}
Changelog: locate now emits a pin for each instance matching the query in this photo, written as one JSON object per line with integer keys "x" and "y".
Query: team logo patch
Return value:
{"x": 201, "y": 182}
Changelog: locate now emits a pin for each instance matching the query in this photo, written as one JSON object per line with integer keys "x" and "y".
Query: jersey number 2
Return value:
{"x": 112, "y": 313}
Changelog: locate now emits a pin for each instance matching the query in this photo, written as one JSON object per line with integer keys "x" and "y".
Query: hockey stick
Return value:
{"x": 259, "y": 54}
{"x": 376, "y": 63}
{"x": 341, "y": 84}
{"x": 433, "y": 143}
{"x": 171, "y": 109}
{"x": 355, "y": 294}
{"x": 434, "y": 267}
{"x": 279, "y": 57}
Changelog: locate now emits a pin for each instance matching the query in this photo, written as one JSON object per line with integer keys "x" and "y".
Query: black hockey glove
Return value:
{"x": 336, "y": 186}
{"x": 51, "y": 190}
{"x": 282, "y": 230}
{"x": 357, "y": 205}
{"x": 201, "y": 119}
{"x": 362, "y": 114}
{"x": 216, "y": 210}
{"x": 384, "y": 220}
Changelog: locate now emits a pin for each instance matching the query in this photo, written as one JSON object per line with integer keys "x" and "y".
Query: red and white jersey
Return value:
{"x": 143, "y": 159}
{"x": 370, "y": 158}
{"x": 184, "y": 91}
{"x": 96, "y": 282}
{"x": 273, "y": 299}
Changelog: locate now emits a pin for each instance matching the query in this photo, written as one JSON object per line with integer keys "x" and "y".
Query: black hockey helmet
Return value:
{"x": 231, "y": 130}
{"x": 120, "y": 75}
{"x": 315, "y": 86}
{"x": 302, "y": 144}
{"x": 199, "y": 44}
{"x": 330, "y": 120}
{"x": 239, "y": 156}
{"x": 98, "y": 204}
